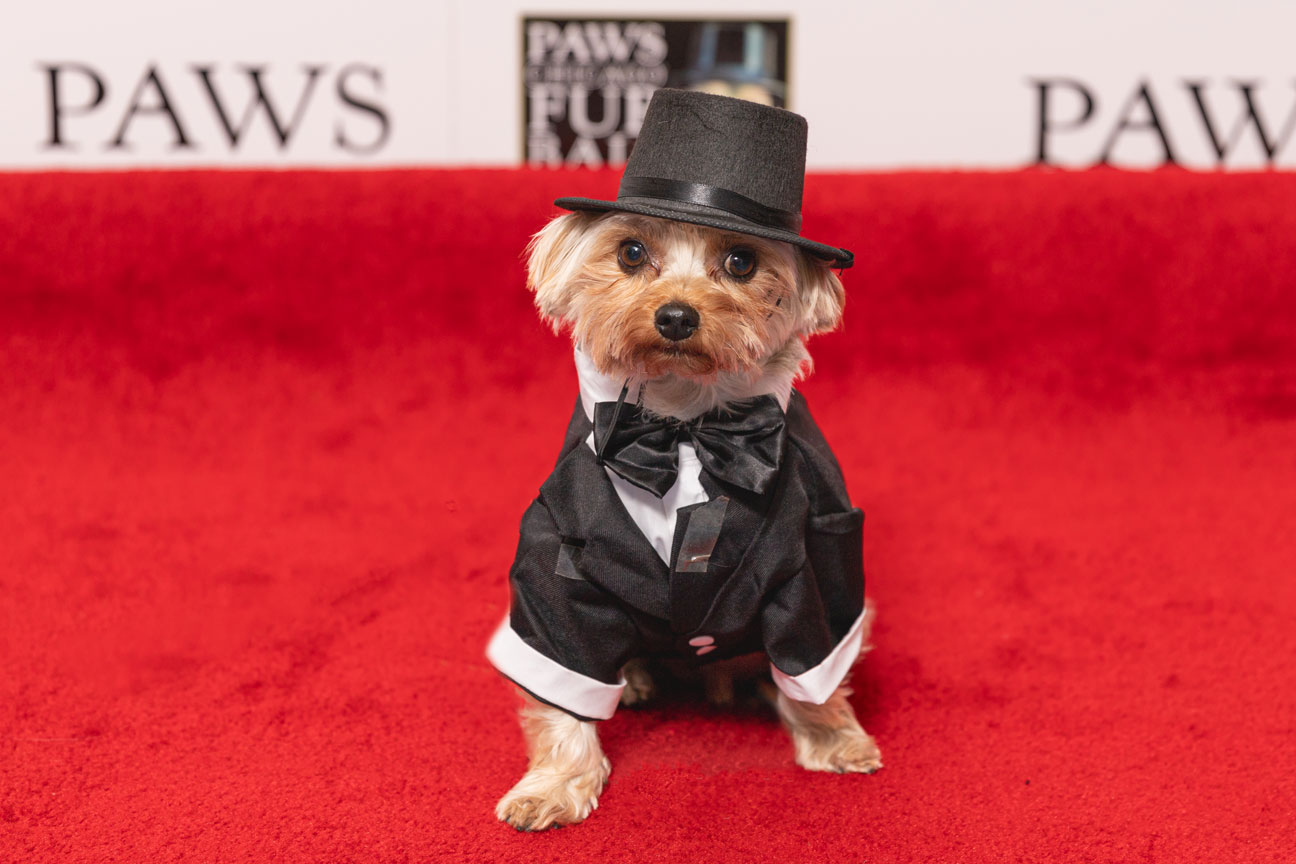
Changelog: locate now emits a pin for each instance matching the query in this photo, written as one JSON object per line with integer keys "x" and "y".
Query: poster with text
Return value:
{"x": 587, "y": 82}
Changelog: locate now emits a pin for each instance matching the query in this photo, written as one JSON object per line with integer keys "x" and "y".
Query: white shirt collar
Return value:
{"x": 595, "y": 387}
{"x": 780, "y": 389}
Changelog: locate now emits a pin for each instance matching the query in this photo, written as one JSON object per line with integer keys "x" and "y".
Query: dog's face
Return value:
{"x": 650, "y": 297}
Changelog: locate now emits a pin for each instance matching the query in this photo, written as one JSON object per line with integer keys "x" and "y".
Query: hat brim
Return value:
{"x": 711, "y": 218}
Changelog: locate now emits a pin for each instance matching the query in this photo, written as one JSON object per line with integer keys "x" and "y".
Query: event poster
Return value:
{"x": 587, "y": 82}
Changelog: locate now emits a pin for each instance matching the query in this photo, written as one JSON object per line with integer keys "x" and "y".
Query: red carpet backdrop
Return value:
{"x": 267, "y": 437}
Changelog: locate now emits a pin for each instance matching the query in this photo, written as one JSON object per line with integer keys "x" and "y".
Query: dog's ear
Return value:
{"x": 821, "y": 295}
{"x": 554, "y": 256}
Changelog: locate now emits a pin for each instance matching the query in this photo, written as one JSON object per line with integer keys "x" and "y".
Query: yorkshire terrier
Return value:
{"x": 695, "y": 509}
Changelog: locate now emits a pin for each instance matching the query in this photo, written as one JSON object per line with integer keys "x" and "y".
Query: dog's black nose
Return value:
{"x": 676, "y": 321}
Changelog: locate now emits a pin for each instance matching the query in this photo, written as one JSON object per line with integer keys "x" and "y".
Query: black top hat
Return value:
{"x": 720, "y": 162}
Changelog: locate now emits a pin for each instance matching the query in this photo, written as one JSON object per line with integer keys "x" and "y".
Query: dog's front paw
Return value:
{"x": 842, "y": 751}
{"x": 639, "y": 684}
{"x": 543, "y": 799}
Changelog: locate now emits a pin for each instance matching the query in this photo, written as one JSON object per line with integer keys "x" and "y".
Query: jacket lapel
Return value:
{"x": 774, "y": 553}
{"x": 587, "y": 511}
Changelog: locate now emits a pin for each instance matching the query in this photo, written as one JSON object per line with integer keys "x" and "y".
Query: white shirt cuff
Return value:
{"x": 818, "y": 683}
{"x": 550, "y": 680}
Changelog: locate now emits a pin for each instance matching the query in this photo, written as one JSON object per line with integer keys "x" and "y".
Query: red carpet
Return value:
{"x": 267, "y": 437}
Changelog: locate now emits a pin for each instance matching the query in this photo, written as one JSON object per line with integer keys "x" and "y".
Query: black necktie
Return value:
{"x": 740, "y": 444}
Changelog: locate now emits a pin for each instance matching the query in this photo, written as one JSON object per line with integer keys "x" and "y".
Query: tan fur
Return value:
{"x": 639, "y": 684}
{"x": 750, "y": 331}
{"x": 750, "y": 337}
{"x": 827, "y": 737}
{"x": 567, "y": 771}
{"x": 821, "y": 296}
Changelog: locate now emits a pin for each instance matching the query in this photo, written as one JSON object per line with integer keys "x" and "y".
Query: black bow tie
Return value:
{"x": 741, "y": 444}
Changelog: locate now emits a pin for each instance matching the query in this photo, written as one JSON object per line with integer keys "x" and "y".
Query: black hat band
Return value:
{"x": 701, "y": 194}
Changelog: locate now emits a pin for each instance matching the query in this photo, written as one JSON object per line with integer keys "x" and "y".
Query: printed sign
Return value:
{"x": 587, "y": 81}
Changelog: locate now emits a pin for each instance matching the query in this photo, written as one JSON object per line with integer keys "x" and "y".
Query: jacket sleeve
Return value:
{"x": 834, "y": 531}
{"x": 565, "y": 638}
{"x": 814, "y": 625}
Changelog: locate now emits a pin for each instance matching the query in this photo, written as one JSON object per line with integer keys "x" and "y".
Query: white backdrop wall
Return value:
{"x": 884, "y": 84}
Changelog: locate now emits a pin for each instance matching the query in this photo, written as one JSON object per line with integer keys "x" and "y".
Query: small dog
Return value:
{"x": 695, "y": 507}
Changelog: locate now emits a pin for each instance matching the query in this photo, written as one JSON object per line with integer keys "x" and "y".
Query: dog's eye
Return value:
{"x": 632, "y": 254}
{"x": 740, "y": 263}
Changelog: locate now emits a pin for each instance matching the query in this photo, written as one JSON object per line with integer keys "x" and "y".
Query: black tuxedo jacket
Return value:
{"x": 780, "y": 572}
